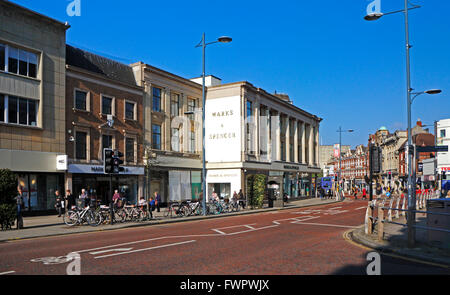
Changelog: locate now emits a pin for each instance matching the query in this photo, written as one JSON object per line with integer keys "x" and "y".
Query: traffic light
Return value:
{"x": 117, "y": 162}
{"x": 108, "y": 161}
{"x": 112, "y": 162}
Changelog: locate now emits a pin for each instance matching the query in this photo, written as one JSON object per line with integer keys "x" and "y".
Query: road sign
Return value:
{"x": 429, "y": 149}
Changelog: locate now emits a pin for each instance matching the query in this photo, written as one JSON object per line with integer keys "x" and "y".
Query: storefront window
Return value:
{"x": 39, "y": 190}
{"x": 223, "y": 190}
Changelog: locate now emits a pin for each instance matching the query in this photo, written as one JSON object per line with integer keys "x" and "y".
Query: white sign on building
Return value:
{"x": 223, "y": 129}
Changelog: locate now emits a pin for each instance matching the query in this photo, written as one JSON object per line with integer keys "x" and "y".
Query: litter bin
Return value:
{"x": 438, "y": 238}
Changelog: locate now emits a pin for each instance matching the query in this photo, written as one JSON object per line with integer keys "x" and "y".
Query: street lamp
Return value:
{"x": 340, "y": 150}
{"x": 203, "y": 44}
{"x": 411, "y": 189}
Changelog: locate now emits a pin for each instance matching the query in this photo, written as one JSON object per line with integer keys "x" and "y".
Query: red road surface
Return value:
{"x": 295, "y": 241}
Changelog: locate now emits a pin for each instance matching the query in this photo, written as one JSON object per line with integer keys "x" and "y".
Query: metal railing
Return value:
{"x": 398, "y": 204}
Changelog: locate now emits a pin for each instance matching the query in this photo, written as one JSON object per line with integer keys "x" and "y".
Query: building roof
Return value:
{"x": 100, "y": 65}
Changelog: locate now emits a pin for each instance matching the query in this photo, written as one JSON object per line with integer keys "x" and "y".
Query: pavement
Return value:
{"x": 45, "y": 226}
{"x": 395, "y": 242}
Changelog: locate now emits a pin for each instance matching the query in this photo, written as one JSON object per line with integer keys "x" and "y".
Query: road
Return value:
{"x": 284, "y": 242}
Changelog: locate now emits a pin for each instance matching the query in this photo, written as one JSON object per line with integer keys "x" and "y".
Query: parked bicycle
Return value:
{"x": 78, "y": 216}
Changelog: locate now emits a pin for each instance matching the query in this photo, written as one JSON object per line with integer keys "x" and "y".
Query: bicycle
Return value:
{"x": 78, "y": 217}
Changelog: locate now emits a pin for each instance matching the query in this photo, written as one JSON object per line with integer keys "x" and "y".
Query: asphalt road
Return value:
{"x": 285, "y": 242}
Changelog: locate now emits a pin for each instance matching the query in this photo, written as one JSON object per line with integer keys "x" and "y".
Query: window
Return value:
{"x": 175, "y": 139}
{"x": 18, "y": 61}
{"x": 81, "y": 100}
{"x": 156, "y": 137}
{"x": 442, "y": 133}
{"x": 191, "y": 107}
{"x": 13, "y": 60}
{"x": 249, "y": 122}
{"x": 156, "y": 99}
{"x": 129, "y": 150}
{"x": 32, "y": 65}
{"x": 2, "y": 57}
{"x": 80, "y": 145}
{"x": 12, "y": 109}
{"x": 32, "y": 112}
{"x": 107, "y": 105}
{"x": 130, "y": 110}
{"x": 175, "y": 105}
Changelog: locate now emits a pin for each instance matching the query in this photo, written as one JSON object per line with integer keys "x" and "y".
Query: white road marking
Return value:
{"x": 323, "y": 224}
{"x": 7, "y": 272}
{"x": 111, "y": 250}
{"x": 146, "y": 249}
{"x": 361, "y": 208}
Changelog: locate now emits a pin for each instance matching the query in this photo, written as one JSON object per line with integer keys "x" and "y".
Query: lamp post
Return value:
{"x": 203, "y": 44}
{"x": 411, "y": 188}
{"x": 340, "y": 156}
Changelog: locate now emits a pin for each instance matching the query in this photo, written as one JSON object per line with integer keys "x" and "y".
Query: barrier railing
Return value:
{"x": 377, "y": 213}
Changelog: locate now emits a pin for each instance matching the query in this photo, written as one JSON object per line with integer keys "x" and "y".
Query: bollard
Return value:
{"x": 380, "y": 223}
{"x": 404, "y": 206}
{"x": 397, "y": 213}
{"x": 369, "y": 220}
{"x": 390, "y": 209}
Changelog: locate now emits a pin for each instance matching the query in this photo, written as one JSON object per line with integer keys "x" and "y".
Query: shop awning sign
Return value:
{"x": 96, "y": 169}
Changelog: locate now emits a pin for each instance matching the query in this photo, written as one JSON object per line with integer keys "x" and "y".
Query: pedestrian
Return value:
{"x": 143, "y": 206}
{"x": 157, "y": 201}
{"x": 83, "y": 198}
{"x": 69, "y": 200}
{"x": 241, "y": 199}
{"x": 364, "y": 193}
{"x": 20, "y": 205}
{"x": 151, "y": 206}
{"x": 116, "y": 198}
{"x": 58, "y": 203}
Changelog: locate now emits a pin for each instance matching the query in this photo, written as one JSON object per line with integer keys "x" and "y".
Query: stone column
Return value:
{"x": 303, "y": 131}
{"x": 295, "y": 141}
{"x": 287, "y": 137}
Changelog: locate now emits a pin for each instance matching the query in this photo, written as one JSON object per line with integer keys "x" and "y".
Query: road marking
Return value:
{"x": 146, "y": 249}
{"x": 7, "y": 272}
{"x": 361, "y": 208}
{"x": 324, "y": 224}
{"x": 111, "y": 250}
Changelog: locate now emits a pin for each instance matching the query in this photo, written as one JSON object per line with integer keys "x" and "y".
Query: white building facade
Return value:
{"x": 249, "y": 131}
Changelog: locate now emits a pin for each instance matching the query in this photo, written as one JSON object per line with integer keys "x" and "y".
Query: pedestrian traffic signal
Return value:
{"x": 108, "y": 161}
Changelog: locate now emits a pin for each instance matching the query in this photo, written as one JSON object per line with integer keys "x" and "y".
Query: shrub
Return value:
{"x": 8, "y": 192}
{"x": 256, "y": 188}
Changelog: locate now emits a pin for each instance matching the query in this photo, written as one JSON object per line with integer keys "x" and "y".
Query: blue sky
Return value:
{"x": 331, "y": 62}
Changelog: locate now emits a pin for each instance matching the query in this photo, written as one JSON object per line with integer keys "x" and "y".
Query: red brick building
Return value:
{"x": 95, "y": 88}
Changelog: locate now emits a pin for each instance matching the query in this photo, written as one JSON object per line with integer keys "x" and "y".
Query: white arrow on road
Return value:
{"x": 111, "y": 250}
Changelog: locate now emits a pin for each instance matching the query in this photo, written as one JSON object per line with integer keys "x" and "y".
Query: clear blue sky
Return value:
{"x": 331, "y": 62}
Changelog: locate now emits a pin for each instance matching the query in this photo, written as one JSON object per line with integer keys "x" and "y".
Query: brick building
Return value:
{"x": 95, "y": 88}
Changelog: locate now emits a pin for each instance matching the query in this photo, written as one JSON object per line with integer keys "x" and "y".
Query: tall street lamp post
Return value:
{"x": 203, "y": 44}
{"x": 411, "y": 188}
{"x": 340, "y": 156}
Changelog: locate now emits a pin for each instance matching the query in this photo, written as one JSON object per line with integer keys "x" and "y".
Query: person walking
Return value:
{"x": 69, "y": 200}
{"x": 241, "y": 199}
{"x": 364, "y": 193}
{"x": 58, "y": 203}
{"x": 116, "y": 198}
{"x": 157, "y": 201}
{"x": 20, "y": 205}
{"x": 151, "y": 204}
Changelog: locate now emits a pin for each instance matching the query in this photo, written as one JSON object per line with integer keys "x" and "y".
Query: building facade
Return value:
{"x": 442, "y": 133}
{"x": 250, "y": 131}
{"x": 95, "y": 88}
{"x": 32, "y": 102}
{"x": 172, "y": 133}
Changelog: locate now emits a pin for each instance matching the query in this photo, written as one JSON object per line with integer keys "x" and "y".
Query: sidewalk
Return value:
{"x": 396, "y": 242}
{"x": 45, "y": 226}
